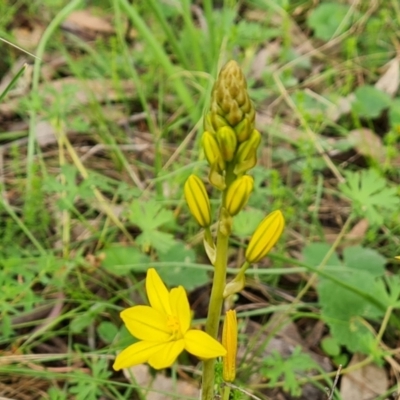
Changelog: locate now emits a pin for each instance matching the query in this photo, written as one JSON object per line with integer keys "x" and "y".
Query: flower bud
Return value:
{"x": 198, "y": 201}
{"x": 238, "y": 194}
{"x": 217, "y": 120}
{"x": 230, "y": 102}
{"x": 229, "y": 341}
{"x": 265, "y": 236}
{"x": 212, "y": 151}
{"x": 227, "y": 141}
{"x": 208, "y": 126}
{"x": 243, "y": 130}
{"x": 246, "y": 156}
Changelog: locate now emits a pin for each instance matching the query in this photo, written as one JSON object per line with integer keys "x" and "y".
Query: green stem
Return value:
{"x": 217, "y": 290}
{"x": 227, "y": 391}
{"x": 214, "y": 310}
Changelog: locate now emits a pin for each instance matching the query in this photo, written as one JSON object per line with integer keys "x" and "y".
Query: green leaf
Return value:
{"x": 245, "y": 223}
{"x": 149, "y": 215}
{"x": 173, "y": 275}
{"x": 107, "y": 331}
{"x": 369, "y": 194}
{"x": 120, "y": 260}
{"x": 370, "y": 102}
{"x": 12, "y": 82}
{"x": 81, "y": 322}
{"x": 344, "y": 309}
{"x": 160, "y": 241}
{"x": 326, "y": 19}
{"x": 330, "y": 346}
{"x": 277, "y": 368}
{"x": 365, "y": 260}
{"x": 394, "y": 113}
{"x": 314, "y": 253}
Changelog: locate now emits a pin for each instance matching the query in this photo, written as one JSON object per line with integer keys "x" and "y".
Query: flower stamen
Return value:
{"x": 174, "y": 326}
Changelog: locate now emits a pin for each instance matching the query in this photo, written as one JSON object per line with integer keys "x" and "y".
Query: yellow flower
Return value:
{"x": 229, "y": 341}
{"x": 265, "y": 236}
{"x": 197, "y": 200}
{"x": 163, "y": 329}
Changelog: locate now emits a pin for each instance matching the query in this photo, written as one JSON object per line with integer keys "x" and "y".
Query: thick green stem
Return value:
{"x": 217, "y": 291}
{"x": 214, "y": 310}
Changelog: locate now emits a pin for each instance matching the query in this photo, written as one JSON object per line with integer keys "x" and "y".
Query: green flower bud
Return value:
{"x": 265, "y": 236}
{"x": 212, "y": 150}
{"x": 197, "y": 200}
{"x": 230, "y": 103}
{"x": 243, "y": 130}
{"x": 227, "y": 141}
{"x": 246, "y": 156}
{"x": 238, "y": 194}
{"x": 218, "y": 121}
{"x": 208, "y": 126}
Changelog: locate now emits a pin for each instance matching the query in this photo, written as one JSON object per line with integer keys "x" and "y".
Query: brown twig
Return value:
{"x": 330, "y": 394}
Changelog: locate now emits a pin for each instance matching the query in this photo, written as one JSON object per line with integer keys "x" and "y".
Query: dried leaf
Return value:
{"x": 28, "y": 37}
{"x": 159, "y": 387}
{"x": 389, "y": 81}
{"x": 342, "y": 106}
{"x": 365, "y": 383}
{"x": 85, "y": 22}
{"x": 357, "y": 234}
{"x": 88, "y": 90}
{"x": 368, "y": 144}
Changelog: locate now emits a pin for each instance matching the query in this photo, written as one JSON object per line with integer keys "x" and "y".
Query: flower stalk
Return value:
{"x": 230, "y": 143}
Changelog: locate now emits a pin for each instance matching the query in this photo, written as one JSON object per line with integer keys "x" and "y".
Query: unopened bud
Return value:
{"x": 265, "y": 236}
{"x": 238, "y": 194}
{"x": 198, "y": 201}
{"x": 230, "y": 103}
{"x": 208, "y": 126}
{"x": 212, "y": 150}
{"x": 229, "y": 341}
{"x": 227, "y": 141}
{"x": 243, "y": 130}
{"x": 246, "y": 156}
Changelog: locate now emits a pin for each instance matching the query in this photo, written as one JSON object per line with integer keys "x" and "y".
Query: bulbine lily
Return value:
{"x": 163, "y": 329}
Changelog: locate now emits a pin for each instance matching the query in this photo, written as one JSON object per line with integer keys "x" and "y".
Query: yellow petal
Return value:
{"x": 146, "y": 323}
{"x": 135, "y": 354}
{"x": 203, "y": 345}
{"x": 167, "y": 354}
{"x": 229, "y": 341}
{"x": 180, "y": 307}
{"x": 157, "y": 292}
